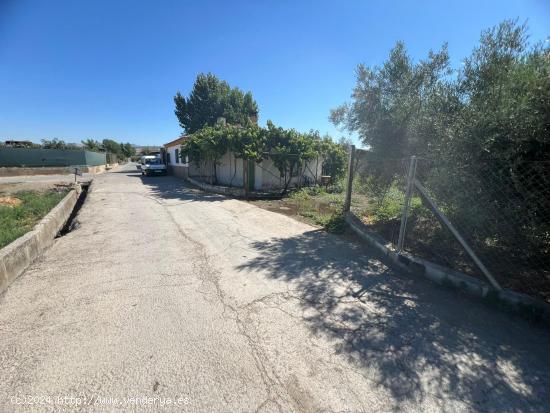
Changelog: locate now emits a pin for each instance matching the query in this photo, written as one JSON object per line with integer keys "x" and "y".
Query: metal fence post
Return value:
{"x": 347, "y": 202}
{"x": 407, "y": 203}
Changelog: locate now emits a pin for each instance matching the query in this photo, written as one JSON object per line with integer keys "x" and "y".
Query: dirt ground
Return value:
{"x": 12, "y": 188}
{"x": 281, "y": 206}
{"x": 41, "y": 183}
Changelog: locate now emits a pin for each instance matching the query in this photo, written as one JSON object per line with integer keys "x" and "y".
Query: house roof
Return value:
{"x": 177, "y": 141}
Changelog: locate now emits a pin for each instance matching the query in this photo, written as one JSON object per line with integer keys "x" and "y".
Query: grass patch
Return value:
{"x": 18, "y": 220}
{"x": 320, "y": 207}
{"x": 335, "y": 223}
{"x": 314, "y": 205}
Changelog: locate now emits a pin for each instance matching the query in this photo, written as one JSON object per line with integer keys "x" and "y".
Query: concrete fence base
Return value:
{"x": 445, "y": 276}
{"x": 222, "y": 190}
{"x": 179, "y": 171}
{"x": 232, "y": 191}
{"x": 18, "y": 255}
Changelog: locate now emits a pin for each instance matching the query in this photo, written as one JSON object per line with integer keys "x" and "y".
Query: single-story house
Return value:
{"x": 175, "y": 165}
{"x": 262, "y": 176}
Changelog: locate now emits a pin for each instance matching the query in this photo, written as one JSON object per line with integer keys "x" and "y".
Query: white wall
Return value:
{"x": 172, "y": 151}
{"x": 266, "y": 176}
{"x": 229, "y": 171}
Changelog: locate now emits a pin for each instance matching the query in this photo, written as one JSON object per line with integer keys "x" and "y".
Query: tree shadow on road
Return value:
{"x": 419, "y": 338}
{"x": 129, "y": 172}
{"x": 169, "y": 188}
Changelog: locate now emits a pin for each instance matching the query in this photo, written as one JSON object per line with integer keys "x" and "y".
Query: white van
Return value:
{"x": 152, "y": 165}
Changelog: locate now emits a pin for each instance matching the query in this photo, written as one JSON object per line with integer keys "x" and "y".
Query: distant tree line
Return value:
{"x": 120, "y": 150}
{"x": 46, "y": 144}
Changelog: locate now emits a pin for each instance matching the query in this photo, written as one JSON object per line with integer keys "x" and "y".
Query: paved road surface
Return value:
{"x": 219, "y": 306}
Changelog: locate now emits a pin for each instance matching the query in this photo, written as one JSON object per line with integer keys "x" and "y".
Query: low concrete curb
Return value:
{"x": 221, "y": 190}
{"x": 517, "y": 302}
{"x": 231, "y": 191}
{"x": 18, "y": 255}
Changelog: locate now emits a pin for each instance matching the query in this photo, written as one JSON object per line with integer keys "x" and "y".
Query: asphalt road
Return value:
{"x": 168, "y": 295}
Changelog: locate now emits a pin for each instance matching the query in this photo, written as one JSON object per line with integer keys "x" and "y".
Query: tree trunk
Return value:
{"x": 316, "y": 171}
{"x": 287, "y": 181}
{"x": 215, "y": 180}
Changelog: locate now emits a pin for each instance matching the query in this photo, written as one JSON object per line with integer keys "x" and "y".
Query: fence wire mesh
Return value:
{"x": 503, "y": 213}
{"x": 378, "y": 193}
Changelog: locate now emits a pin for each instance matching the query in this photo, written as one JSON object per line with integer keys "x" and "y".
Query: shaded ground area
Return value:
{"x": 412, "y": 338}
{"x": 424, "y": 238}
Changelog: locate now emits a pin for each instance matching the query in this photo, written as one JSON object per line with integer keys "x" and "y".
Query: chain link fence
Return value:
{"x": 490, "y": 221}
{"x": 378, "y": 195}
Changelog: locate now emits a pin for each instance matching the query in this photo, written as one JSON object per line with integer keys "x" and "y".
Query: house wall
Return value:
{"x": 203, "y": 172}
{"x": 174, "y": 165}
{"x": 229, "y": 171}
{"x": 178, "y": 171}
{"x": 171, "y": 151}
{"x": 266, "y": 175}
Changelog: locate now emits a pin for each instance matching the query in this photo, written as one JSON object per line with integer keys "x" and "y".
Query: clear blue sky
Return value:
{"x": 109, "y": 69}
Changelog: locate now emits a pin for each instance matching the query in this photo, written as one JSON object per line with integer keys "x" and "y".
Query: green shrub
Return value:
{"x": 306, "y": 193}
{"x": 334, "y": 223}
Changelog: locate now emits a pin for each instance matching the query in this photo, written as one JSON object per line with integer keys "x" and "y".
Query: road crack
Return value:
{"x": 209, "y": 277}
